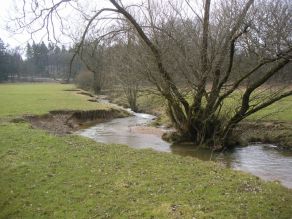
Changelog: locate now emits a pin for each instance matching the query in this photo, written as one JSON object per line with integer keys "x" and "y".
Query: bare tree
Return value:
{"x": 194, "y": 53}
{"x": 122, "y": 66}
{"x": 125, "y": 64}
{"x": 92, "y": 55}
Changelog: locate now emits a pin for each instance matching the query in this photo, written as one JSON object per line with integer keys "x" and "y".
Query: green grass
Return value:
{"x": 44, "y": 176}
{"x": 19, "y": 99}
{"x": 279, "y": 111}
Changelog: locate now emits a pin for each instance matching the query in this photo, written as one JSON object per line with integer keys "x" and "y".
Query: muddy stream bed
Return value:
{"x": 262, "y": 160}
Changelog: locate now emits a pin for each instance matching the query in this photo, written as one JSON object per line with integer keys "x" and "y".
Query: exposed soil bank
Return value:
{"x": 273, "y": 132}
{"x": 63, "y": 122}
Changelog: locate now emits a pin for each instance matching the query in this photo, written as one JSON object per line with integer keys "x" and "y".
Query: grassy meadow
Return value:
{"x": 279, "y": 111}
{"x": 48, "y": 176}
{"x": 20, "y": 99}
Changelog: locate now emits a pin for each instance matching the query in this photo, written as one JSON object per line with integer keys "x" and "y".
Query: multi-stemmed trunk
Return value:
{"x": 199, "y": 127}
{"x": 201, "y": 122}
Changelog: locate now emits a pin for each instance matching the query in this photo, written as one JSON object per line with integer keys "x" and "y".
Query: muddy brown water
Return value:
{"x": 262, "y": 160}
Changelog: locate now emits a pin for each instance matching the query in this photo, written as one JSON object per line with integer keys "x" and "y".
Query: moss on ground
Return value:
{"x": 44, "y": 176}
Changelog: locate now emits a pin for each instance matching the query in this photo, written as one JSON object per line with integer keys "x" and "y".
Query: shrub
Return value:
{"x": 84, "y": 80}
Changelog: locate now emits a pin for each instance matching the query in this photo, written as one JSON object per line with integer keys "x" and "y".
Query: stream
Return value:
{"x": 262, "y": 160}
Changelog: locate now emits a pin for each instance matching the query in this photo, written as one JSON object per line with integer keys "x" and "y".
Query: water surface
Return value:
{"x": 262, "y": 160}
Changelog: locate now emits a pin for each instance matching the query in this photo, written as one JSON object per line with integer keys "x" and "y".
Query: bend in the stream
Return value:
{"x": 261, "y": 160}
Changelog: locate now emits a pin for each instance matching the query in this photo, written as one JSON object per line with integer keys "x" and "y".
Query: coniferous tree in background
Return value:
{"x": 10, "y": 63}
{"x": 43, "y": 62}
{"x": 47, "y": 61}
{"x": 3, "y": 62}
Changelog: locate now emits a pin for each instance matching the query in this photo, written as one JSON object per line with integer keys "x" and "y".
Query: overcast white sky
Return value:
{"x": 7, "y": 10}
{"x": 6, "y": 7}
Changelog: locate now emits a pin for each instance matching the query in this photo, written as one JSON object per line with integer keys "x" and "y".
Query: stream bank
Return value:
{"x": 44, "y": 175}
{"x": 61, "y": 122}
{"x": 276, "y": 132}
{"x": 262, "y": 160}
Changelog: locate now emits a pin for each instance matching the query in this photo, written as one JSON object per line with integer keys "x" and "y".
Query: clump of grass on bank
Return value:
{"x": 44, "y": 176}
{"x": 20, "y": 99}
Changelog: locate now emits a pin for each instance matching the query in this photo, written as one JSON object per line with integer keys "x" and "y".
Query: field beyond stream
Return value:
{"x": 44, "y": 175}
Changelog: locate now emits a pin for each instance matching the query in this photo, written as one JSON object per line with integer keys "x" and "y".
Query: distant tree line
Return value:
{"x": 42, "y": 62}
{"x": 46, "y": 61}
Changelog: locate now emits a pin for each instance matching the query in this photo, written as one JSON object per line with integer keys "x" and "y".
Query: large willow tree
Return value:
{"x": 198, "y": 54}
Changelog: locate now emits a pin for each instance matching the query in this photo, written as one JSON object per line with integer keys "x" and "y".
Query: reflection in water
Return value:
{"x": 261, "y": 160}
